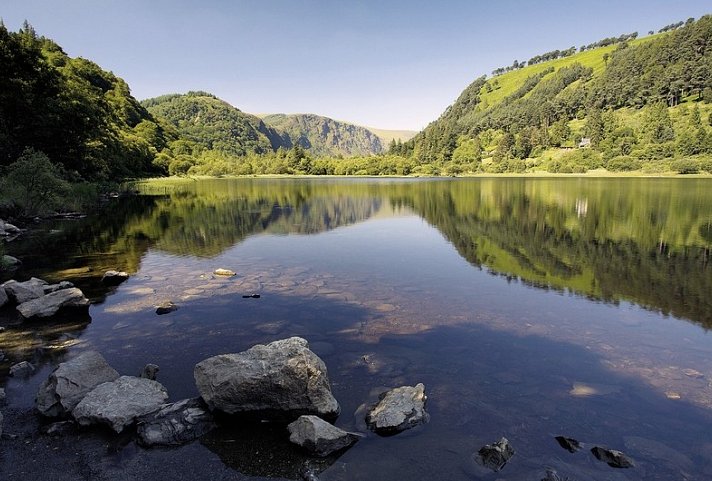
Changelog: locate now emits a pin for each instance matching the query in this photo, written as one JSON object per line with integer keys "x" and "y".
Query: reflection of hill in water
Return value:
{"x": 643, "y": 240}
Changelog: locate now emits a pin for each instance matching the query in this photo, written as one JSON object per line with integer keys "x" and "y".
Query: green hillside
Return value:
{"x": 323, "y": 136}
{"x": 388, "y": 136}
{"x": 640, "y": 103}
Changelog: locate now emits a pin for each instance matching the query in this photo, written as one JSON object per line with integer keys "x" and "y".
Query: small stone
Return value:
{"x": 615, "y": 459}
{"x": 569, "y": 444}
{"x": 251, "y": 296}
{"x": 672, "y": 395}
{"x": 9, "y": 262}
{"x": 399, "y": 409}
{"x": 495, "y": 456}
{"x": 224, "y": 272}
{"x": 22, "y": 369}
{"x": 165, "y": 308}
{"x": 149, "y": 371}
{"x": 693, "y": 373}
{"x": 319, "y": 437}
{"x": 61, "y": 428}
{"x": 552, "y": 475}
{"x": 114, "y": 278}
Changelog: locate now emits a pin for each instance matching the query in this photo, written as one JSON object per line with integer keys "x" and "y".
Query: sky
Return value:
{"x": 379, "y": 63}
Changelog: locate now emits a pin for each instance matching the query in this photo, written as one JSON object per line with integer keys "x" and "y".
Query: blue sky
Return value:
{"x": 388, "y": 64}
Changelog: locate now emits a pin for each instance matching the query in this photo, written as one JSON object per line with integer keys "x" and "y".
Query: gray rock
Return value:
{"x": 9, "y": 262}
{"x": 283, "y": 377}
{"x": 8, "y": 229}
{"x": 319, "y": 437}
{"x": 615, "y": 459}
{"x": 165, "y": 308}
{"x": 61, "y": 428}
{"x": 175, "y": 424}
{"x": 119, "y": 403}
{"x": 22, "y": 369}
{"x": 20, "y": 292}
{"x": 224, "y": 272}
{"x": 56, "y": 287}
{"x": 149, "y": 372}
{"x": 569, "y": 444}
{"x": 3, "y": 297}
{"x": 49, "y": 304}
{"x": 552, "y": 475}
{"x": 114, "y": 278}
{"x": 494, "y": 456}
{"x": 71, "y": 381}
{"x": 399, "y": 409}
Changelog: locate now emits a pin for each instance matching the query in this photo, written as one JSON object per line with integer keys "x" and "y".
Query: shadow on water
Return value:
{"x": 482, "y": 384}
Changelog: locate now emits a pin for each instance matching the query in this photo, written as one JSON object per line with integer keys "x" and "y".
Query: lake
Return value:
{"x": 529, "y": 308}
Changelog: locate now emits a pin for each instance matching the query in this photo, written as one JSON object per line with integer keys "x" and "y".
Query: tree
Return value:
{"x": 657, "y": 125}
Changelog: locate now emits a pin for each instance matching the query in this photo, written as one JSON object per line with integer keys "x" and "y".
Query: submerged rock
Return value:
{"x": 552, "y": 475}
{"x": 50, "y": 304}
{"x": 615, "y": 459}
{"x": 20, "y": 292}
{"x": 9, "y": 262}
{"x": 149, "y": 371}
{"x": 494, "y": 456}
{"x": 166, "y": 308}
{"x": 224, "y": 272}
{"x": 175, "y": 424}
{"x": 71, "y": 381}
{"x": 114, "y": 278}
{"x": 22, "y": 369}
{"x": 399, "y": 409}
{"x": 569, "y": 444}
{"x": 119, "y": 403}
{"x": 283, "y": 378}
{"x": 319, "y": 437}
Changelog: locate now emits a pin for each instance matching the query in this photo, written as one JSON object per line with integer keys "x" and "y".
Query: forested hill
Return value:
{"x": 637, "y": 101}
{"x": 323, "y": 136}
{"x": 68, "y": 109}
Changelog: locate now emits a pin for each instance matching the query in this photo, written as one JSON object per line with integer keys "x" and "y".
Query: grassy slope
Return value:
{"x": 387, "y": 136}
{"x": 509, "y": 82}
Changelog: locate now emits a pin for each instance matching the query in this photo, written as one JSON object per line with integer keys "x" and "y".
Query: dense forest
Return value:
{"x": 622, "y": 104}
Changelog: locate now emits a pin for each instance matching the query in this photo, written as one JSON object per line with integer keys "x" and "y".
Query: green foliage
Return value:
{"x": 33, "y": 184}
{"x": 623, "y": 163}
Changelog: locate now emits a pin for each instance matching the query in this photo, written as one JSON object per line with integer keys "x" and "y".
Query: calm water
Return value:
{"x": 529, "y": 308}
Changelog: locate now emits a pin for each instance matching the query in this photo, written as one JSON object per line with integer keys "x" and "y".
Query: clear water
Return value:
{"x": 529, "y": 308}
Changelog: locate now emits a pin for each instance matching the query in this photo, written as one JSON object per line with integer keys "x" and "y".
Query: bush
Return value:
{"x": 685, "y": 166}
{"x": 623, "y": 163}
{"x": 33, "y": 184}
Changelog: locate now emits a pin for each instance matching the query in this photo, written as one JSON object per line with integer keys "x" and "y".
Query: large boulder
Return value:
{"x": 283, "y": 378}
{"x": 71, "y": 381}
{"x": 20, "y": 292}
{"x": 49, "y": 305}
{"x": 175, "y": 424}
{"x": 399, "y": 409}
{"x": 119, "y": 403}
{"x": 319, "y": 437}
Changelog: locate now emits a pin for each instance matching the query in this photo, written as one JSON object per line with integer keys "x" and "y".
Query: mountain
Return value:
{"x": 213, "y": 124}
{"x": 324, "y": 137}
{"x": 83, "y": 118}
{"x": 638, "y": 102}
{"x": 387, "y": 136}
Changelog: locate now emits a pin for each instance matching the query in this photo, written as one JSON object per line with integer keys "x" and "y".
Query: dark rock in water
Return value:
{"x": 22, "y": 369}
{"x": 615, "y": 459}
{"x": 61, "y": 428}
{"x": 20, "y": 292}
{"x": 569, "y": 444}
{"x": 50, "y": 304}
{"x": 149, "y": 371}
{"x": 165, "y": 308}
{"x": 224, "y": 272}
{"x": 119, "y": 403}
{"x": 282, "y": 379}
{"x": 9, "y": 262}
{"x": 114, "y": 278}
{"x": 399, "y": 409}
{"x": 251, "y": 296}
{"x": 3, "y": 296}
{"x": 71, "y": 381}
{"x": 319, "y": 437}
{"x": 495, "y": 456}
{"x": 175, "y": 424}
{"x": 552, "y": 475}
